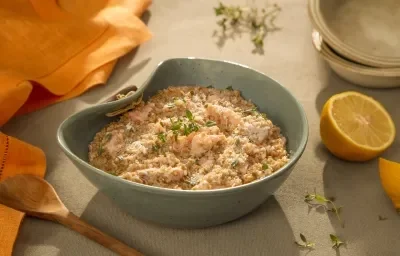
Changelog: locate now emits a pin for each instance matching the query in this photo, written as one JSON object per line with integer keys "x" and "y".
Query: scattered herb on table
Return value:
{"x": 310, "y": 199}
{"x": 305, "y": 244}
{"x": 236, "y": 20}
{"x": 336, "y": 242}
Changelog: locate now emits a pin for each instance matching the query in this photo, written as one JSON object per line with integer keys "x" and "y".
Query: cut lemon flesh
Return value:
{"x": 356, "y": 127}
{"x": 390, "y": 178}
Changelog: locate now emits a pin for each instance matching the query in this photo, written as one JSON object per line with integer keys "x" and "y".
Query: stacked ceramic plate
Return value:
{"x": 360, "y": 39}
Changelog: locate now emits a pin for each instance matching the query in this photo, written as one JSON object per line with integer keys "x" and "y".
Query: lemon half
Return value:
{"x": 355, "y": 127}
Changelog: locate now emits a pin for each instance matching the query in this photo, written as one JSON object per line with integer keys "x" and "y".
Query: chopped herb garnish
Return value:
{"x": 156, "y": 147}
{"x": 336, "y": 241}
{"x": 235, "y": 163}
{"x": 229, "y": 88}
{"x": 210, "y": 123}
{"x": 175, "y": 134}
{"x": 161, "y": 136}
{"x": 263, "y": 115}
{"x": 237, "y": 142}
{"x": 189, "y": 115}
{"x": 108, "y": 137}
{"x": 100, "y": 150}
{"x": 175, "y": 126}
{"x": 171, "y": 105}
{"x": 250, "y": 111}
{"x": 265, "y": 166}
{"x": 305, "y": 244}
{"x": 210, "y": 86}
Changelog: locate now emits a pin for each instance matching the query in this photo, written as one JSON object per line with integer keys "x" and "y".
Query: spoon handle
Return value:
{"x": 75, "y": 223}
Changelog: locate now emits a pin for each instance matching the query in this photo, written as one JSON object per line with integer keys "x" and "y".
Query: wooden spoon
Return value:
{"x": 37, "y": 198}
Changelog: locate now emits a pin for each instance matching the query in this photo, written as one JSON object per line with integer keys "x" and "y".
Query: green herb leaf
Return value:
{"x": 229, "y": 88}
{"x": 186, "y": 130}
{"x": 100, "y": 150}
{"x": 161, "y": 136}
{"x": 108, "y": 137}
{"x": 235, "y": 163}
{"x": 220, "y": 9}
{"x": 170, "y": 105}
{"x": 336, "y": 242}
{"x": 189, "y": 115}
{"x": 321, "y": 201}
{"x": 250, "y": 111}
{"x": 305, "y": 244}
{"x": 210, "y": 86}
{"x": 237, "y": 142}
{"x": 238, "y": 19}
{"x": 175, "y": 126}
{"x": 156, "y": 147}
{"x": 265, "y": 166}
{"x": 210, "y": 123}
{"x": 263, "y": 115}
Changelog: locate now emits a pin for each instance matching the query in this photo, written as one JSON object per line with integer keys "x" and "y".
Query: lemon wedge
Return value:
{"x": 355, "y": 127}
{"x": 390, "y": 178}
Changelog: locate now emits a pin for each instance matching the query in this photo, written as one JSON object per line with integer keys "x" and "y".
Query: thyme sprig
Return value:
{"x": 237, "y": 19}
{"x": 336, "y": 242}
{"x": 315, "y": 200}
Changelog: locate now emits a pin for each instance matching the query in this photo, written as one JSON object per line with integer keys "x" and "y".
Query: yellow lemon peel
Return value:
{"x": 355, "y": 127}
{"x": 389, "y": 172}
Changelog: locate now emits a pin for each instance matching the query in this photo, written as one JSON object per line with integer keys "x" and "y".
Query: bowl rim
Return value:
{"x": 343, "y": 48}
{"x": 331, "y": 56}
{"x": 168, "y": 191}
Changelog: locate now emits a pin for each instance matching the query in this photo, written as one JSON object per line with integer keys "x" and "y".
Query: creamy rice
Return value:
{"x": 191, "y": 138}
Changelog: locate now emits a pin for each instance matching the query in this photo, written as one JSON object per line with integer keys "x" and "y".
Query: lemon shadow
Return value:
{"x": 356, "y": 187}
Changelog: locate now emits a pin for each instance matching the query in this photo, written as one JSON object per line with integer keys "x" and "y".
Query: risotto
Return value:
{"x": 191, "y": 138}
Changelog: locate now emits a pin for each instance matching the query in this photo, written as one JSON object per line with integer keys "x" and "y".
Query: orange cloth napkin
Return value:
{"x": 50, "y": 51}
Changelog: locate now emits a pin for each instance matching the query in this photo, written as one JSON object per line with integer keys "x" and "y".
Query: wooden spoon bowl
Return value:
{"x": 36, "y": 197}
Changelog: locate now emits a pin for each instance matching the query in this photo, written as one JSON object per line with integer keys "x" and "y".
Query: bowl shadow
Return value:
{"x": 265, "y": 231}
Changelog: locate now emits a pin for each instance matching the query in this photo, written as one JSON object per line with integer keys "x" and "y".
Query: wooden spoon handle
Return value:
{"x": 73, "y": 222}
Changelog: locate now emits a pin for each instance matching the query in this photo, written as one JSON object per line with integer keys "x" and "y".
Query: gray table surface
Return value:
{"x": 184, "y": 28}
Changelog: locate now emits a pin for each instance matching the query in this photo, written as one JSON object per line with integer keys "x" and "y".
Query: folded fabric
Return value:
{"x": 53, "y": 50}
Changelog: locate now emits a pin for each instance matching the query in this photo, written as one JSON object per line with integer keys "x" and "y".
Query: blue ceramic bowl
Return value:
{"x": 190, "y": 209}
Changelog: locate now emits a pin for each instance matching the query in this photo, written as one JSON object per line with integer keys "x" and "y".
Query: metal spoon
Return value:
{"x": 36, "y": 197}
